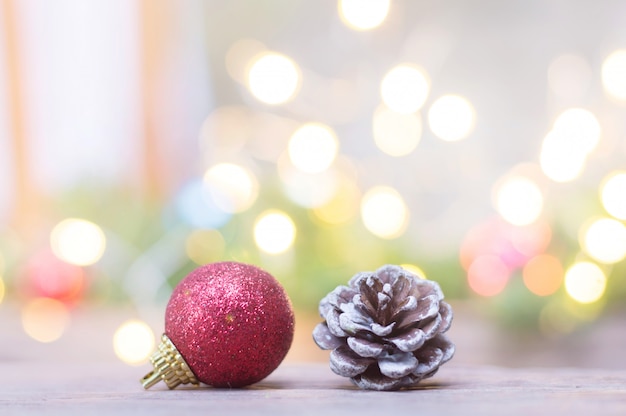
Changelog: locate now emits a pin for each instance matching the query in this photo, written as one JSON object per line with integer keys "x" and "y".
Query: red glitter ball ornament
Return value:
{"x": 232, "y": 323}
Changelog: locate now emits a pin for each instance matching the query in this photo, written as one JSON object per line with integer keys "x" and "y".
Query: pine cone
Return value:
{"x": 385, "y": 329}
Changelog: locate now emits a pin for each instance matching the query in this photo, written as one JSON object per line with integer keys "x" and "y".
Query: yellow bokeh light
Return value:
{"x": 310, "y": 190}
{"x": 45, "y": 319}
{"x": 205, "y": 246}
{"x": 585, "y": 282}
{"x": 2, "y": 289}
{"x": 614, "y": 74}
{"x": 343, "y": 206}
{"x": 416, "y": 270}
{"x": 519, "y": 200}
{"x": 558, "y": 160}
{"x": 133, "y": 342}
{"x": 404, "y": 88}
{"x": 451, "y": 118}
{"x": 384, "y": 212}
{"x": 78, "y": 241}
{"x": 363, "y": 14}
{"x": 396, "y": 134}
{"x": 273, "y": 78}
{"x": 613, "y": 194}
{"x": 233, "y": 188}
{"x": 313, "y": 147}
{"x": 579, "y": 128}
{"x": 274, "y": 232}
{"x": 604, "y": 239}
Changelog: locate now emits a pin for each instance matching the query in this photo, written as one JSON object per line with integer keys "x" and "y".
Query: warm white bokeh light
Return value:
{"x": 274, "y": 78}
{"x": 313, "y": 147}
{"x": 451, "y": 118}
{"x": 234, "y": 188}
{"x": 614, "y": 74}
{"x": 45, "y": 319}
{"x": 580, "y": 129}
{"x": 613, "y": 194}
{"x": 133, "y": 342}
{"x": 78, "y": 241}
{"x": 396, "y": 134}
{"x": 363, "y": 14}
{"x": 343, "y": 206}
{"x": 558, "y": 160}
{"x": 519, "y": 200}
{"x": 404, "y": 88}
{"x": 384, "y": 212}
{"x": 604, "y": 239}
{"x": 274, "y": 232}
{"x": 585, "y": 282}
{"x": 569, "y": 76}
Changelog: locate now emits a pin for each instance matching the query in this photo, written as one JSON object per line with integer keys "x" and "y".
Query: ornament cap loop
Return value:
{"x": 169, "y": 366}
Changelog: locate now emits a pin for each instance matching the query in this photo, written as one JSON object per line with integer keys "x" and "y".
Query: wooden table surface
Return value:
{"x": 36, "y": 388}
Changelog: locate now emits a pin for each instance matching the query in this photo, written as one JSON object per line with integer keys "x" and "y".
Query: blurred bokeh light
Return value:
{"x": 384, "y": 212}
{"x": 585, "y": 282}
{"x": 78, "y": 241}
{"x": 133, "y": 342}
{"x": 44, "y": 319}
{"x": 363, "y": 14}
{"x": 451, "y": 118}
{"x": 273, "y": 78}
{"x": 274, "y": 232}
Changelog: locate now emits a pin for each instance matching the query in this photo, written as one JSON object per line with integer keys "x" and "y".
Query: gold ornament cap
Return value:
{"x": 169, "y": 366}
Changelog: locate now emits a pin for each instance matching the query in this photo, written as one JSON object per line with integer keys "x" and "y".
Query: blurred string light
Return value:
{"x": 569, "y": 76}
{"x": 532, "y": 239}
{"x": 274, "y": 232}
{"x": 239, "y": 57}
{"x": 48, "y": 276}
{"x": 196, "y": 206}
{"x": 233, "y": 188}
{"x": 78, "y": 241}
{"x": 487, "y": 275}
{"x": 343, "y": 206}
{"x": 558, "y": 160}
{"x": 580, "y": 128}
{"x": 585, "y": 282}
{"x": 133, "y": 342}
{"x": 205, "y": 246}
{"x": 310, "y": 190}
{"x": 451, "y": 118}
{"x": 543, "y": 275}
{"x": 613, "y": 194}
{"x": 363, "y": 14}
{"x": 313, "y": 147}
{"x": 519, "y": 200}
{"x": 273, "y": 78}
{"x": 404, "y": 88}
{"x": 44, "y": 319}
{"x": 614, "y": 74}
{"x": 396, "y": 134}
{"x": 513, "y": 245}
{"x": 384, "y": 212}
{"x": 604, "y": 239}
{"x": 575, "y": 134}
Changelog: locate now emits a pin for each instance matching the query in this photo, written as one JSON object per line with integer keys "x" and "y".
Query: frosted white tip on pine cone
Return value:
{"x": 385, "y": 329}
